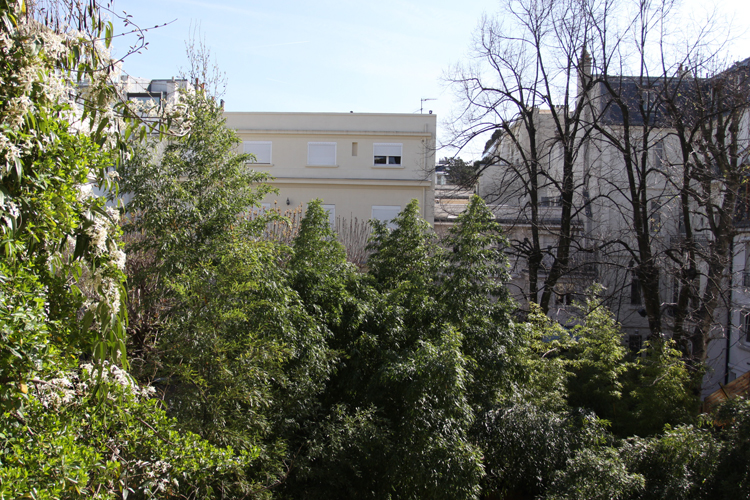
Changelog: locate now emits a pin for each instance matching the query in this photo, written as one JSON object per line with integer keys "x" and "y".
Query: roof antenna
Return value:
{"x": 422, "y": 101}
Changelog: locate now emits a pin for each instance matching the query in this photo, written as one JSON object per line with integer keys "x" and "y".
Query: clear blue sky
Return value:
{"x": 323, "y": 55}
{"x": 320, "y": 55}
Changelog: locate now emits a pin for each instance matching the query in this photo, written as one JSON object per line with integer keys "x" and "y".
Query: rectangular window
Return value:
{"x": 148, "y": 100}
{"x": 261, "y": 150}
{"x": 655, "y": 217}
{"x": 386, "y": 213}
{"x": 355, "y": 148}
{"x": 331, "y": 209}
{"x": 635, "y": 290}
{"x": 659, "y": 154}
{"x": 635, "y": 342}
{"x": 321, "y": 154}
{"x": 387, "y": 153}
{"x": 745, "y": 334}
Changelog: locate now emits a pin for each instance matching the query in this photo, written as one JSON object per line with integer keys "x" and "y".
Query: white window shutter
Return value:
{"x": 321, "y": 153}
{"x": 386, "y": 213}
{"x": 387, "y": 149}
{"x": 260, "y": 149}
{"x": 331, "y": 209}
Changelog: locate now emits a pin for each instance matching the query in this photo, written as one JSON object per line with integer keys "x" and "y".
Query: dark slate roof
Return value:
{"x": 635, "y": 92}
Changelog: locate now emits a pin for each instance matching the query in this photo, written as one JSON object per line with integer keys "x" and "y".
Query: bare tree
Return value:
{"x": 527, "y": 87}
{"x": 203, "y": 70}
{"x": 675, "y": 136}
{"x": 621, "y": 142}
{"x": 706, "y": 116}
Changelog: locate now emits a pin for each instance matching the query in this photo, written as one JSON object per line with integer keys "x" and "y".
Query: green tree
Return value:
{"x": 598, "y": 362}
{"x": 404, "y": 256}
{"x": 184, "y": 194}
{"x": 71, "y": 444}
{"x": 597, "y": 472}
{"x": 318, "y": 268}
{"x": 461, "y": 173}
{"x": 241, "y": 361}
{"x": 472, "y": 297}
{"x": 525, "y": 445}
{"x": 70, "y": 431}
{"x": 397, "y": 418}
{"x": 704, "y": 461}
{"x": 658, "y": 391}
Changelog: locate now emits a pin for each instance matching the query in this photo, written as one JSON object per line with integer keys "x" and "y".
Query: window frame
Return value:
{"x": 263, "y": 143}
{"x": 331, "y": 211}
{"x": 388, "y": 222}
{"x": 635, "y": 342}
{"x": 387, "y": 163}
{"x": 323, "y": 164}
{"x": 745, "y": 327}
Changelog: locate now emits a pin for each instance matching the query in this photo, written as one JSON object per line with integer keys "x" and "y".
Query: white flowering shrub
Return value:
{"x": 71, "y": 444}
{"x": 61, "y": 262}
{"x": 73, "y": 422}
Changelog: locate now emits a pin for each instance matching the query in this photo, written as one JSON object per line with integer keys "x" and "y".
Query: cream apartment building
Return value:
{"x": 362, "y": 165}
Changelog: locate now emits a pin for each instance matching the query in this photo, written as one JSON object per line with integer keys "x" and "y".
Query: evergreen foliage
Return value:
{"x": 261, "y": 370}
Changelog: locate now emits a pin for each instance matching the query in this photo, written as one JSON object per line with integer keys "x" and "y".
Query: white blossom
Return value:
{"x": 119, "y": 258}
{"x": 98, "y": 234}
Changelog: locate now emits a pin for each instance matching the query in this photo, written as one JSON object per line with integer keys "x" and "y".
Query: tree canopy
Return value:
{"x": 169, "y": 349}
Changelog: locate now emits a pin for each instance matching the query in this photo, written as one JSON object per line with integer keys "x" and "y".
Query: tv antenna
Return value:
{"x": 422, "y": 101}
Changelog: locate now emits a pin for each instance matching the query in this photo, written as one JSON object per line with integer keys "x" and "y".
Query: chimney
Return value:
{"x": 584, "y": 71}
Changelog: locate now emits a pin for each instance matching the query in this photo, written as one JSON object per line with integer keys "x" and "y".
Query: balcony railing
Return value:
{"x": 579, "y": 265}
{"x": 701, "y": 242}
{"x": 584, "y": 264}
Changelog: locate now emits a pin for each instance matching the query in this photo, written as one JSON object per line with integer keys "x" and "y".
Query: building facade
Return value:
{"x": 628, "y": 213}
{"x": 360, "y": 165}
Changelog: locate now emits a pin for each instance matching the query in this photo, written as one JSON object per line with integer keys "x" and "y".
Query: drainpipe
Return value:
{"x": 729, "y": 310}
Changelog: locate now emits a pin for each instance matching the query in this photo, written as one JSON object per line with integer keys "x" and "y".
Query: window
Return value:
{"x": 321, "y": 154}
{"x": 635, "y": 342}
{"x": 387, "y": 154}
{"x": 659, "y": 154}
{"x": 386, "y": 213}
{"x": 745, "y": 333}
{"x": 355, "y": 148}
{"x": 261, "y": 150}
{"x": 565, "y": 299}
{"x": 147, "y": 99}
{"x": 655, "y": 219}
{"x": 551, "y": 201}
{"x": 331, "y": 209}
{"x": 635, "y": 287}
